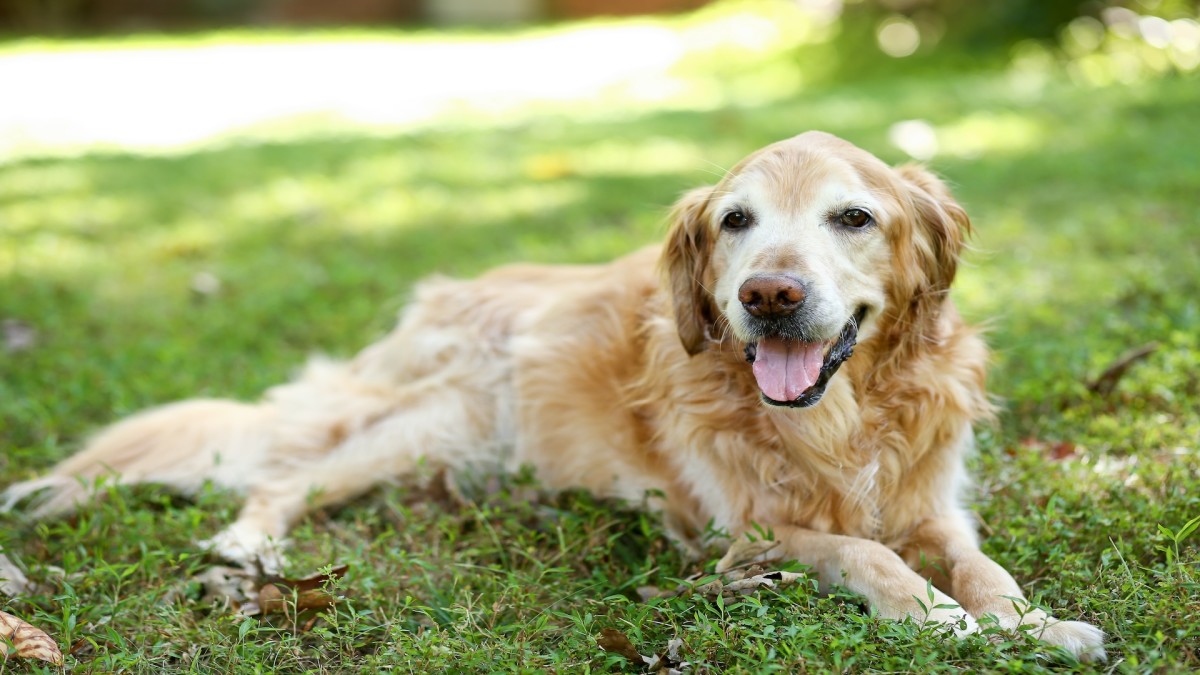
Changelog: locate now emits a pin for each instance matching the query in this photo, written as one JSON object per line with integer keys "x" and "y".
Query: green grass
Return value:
{"x": 1088, "y": 238}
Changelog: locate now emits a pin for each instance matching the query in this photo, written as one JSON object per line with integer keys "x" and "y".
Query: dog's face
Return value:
{"x": 805, "y": 247}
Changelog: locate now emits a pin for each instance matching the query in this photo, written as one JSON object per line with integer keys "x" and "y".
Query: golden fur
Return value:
{"x": 630, "y": 379}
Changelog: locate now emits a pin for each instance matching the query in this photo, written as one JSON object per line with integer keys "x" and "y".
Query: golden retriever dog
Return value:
{"x": 788, "y": 360}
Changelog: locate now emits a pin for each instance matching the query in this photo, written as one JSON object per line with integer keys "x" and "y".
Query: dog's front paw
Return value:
{"x": 1083, "y": 640}
{"x": 248, "y": 547}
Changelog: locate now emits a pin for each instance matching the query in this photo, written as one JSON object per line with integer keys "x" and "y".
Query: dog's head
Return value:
{"x": 805, "y": 247}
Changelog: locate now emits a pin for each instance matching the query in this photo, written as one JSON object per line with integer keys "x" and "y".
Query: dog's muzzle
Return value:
{"x": 794, "y": 373}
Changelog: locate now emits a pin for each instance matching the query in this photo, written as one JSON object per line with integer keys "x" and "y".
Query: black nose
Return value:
{"x": 771, "y": 295}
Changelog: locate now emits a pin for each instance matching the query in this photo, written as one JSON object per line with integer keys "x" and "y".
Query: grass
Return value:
{"x": 1087, "y": 239}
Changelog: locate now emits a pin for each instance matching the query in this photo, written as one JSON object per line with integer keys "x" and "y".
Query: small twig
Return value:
{"x": 1106, "y": 381}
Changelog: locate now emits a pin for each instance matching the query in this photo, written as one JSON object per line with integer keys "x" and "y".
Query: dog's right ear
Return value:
{"x": 684, "y": 263}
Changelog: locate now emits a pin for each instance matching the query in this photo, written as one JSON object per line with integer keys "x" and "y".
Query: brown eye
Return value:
{"x": 855, "y": 218}
{"x": 735, "y": 220}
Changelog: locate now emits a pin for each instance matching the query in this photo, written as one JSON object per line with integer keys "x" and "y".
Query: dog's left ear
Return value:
{"x": 942, "y": 228}
{"x": 684, "y": 263}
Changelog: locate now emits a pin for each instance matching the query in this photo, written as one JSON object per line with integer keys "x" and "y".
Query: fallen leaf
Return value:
{"x": 743, "y": 551}
{"x": 286, "y": 595}
{"x": 615, "y": 642}
{"x": 272, "y": 598}
{"x": 768, "y": 580}
{"x": 743, "y": 572}
{"x": 313, "y": 582}
{"x": 29, "y": 642}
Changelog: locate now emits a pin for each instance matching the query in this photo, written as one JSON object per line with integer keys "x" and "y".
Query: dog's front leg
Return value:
{"x": 257, "y": 537}
{"x": 947, "y": 547}
{"x": 877, "y": 573}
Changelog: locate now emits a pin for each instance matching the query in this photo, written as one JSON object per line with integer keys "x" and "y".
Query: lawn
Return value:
{"x": 1083, "y": 190}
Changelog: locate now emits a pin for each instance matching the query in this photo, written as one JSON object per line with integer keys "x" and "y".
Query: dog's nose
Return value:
{"x": 771, "y": 295}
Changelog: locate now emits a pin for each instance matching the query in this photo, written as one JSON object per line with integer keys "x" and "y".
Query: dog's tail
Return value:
{"x": 181, "y": 445}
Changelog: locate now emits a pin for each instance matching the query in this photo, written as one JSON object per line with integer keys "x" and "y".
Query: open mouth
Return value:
{"x": 794, "y": 373}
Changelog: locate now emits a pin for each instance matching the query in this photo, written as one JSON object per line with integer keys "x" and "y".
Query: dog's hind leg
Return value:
{"x": 445, "y": 427}
{"x": 180, "y": 445}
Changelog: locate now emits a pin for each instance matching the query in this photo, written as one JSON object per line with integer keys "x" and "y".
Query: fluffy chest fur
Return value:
{"x": 882, "y": 451}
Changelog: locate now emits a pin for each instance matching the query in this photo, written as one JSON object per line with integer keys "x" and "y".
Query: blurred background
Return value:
{"x": 155, "y": 74}
{"x": 257, "y": 179}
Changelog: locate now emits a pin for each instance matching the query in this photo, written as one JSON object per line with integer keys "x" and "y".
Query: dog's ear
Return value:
{"x": 940, "y": 230}
{"x": 684, "y": 263}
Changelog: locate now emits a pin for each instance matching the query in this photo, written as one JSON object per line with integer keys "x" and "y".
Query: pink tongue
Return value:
{"x": 786, "y": 368}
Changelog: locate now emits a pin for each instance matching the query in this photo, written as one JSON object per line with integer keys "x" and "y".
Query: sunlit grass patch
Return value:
{"x": 163, "y": 94}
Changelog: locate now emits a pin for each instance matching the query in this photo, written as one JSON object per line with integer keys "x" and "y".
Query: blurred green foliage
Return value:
{"x": 993, "y": 23}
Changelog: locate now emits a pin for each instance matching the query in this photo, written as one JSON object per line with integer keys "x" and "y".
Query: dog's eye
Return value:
{"x": 855, "y": 218}
{"x": 735, "y": 220}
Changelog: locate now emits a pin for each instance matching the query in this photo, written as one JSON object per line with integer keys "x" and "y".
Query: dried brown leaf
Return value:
{"x": 743, "y": 551}
{"x": 29, "y": 642}
{"x": 287, "y": 595}
{"x": 740, "y": 573}
{"x": 313, "y": 582}
{"x": 768, "y": 580}
{"x": 615, "y": 642}
{"x": 743, "y": 580}
{"x": 273, "y": 599}
{"x": 314, "y": 599}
